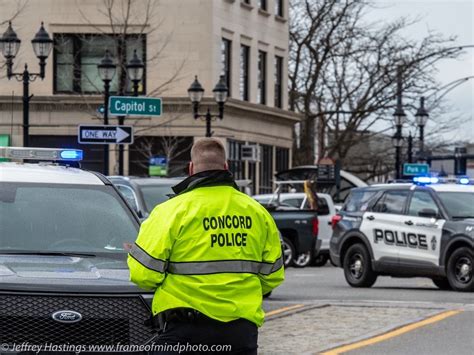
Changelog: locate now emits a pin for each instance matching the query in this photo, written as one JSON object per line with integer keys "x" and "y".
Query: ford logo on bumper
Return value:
{"x": 67, "y": 316}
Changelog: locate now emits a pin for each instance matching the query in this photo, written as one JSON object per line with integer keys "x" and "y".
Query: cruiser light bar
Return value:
{"x": 48, "y": 154}
{"x": 426, "y": 180}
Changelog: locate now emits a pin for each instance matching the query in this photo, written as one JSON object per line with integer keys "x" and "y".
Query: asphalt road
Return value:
{"x": 328, "y": 283}
{"x": 453, "y": 335}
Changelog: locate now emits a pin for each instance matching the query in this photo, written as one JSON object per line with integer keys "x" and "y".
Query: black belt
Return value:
{"x": 184, "y": 315}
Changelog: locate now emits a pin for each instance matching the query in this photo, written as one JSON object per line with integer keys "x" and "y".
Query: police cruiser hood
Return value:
{"x": 65, "y": 274}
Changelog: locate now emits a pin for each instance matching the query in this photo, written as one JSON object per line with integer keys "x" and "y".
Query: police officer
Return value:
{"x": 210, "y": 253}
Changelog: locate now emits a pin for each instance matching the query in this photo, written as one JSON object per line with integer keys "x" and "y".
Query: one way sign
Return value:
{"x": 105, "y": 134}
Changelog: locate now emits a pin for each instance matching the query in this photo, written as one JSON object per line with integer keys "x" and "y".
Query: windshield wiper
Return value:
{"x": 46, "y": 253}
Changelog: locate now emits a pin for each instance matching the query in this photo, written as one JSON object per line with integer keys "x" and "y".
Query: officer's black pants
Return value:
{"x": 241, "y": 335}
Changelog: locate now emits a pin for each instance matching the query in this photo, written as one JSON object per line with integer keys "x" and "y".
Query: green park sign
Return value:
{"x": 135, "y": 106}
{"x": 415, "y": 169}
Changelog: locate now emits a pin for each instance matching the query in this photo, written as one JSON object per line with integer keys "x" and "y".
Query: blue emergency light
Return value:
{"x": 464, "y": 181}
{"x": 75, "y": 155}
{"x": 425, "y": 180}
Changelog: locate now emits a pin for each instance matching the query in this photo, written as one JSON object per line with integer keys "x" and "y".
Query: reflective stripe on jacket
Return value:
{"x": 210, "y": 248}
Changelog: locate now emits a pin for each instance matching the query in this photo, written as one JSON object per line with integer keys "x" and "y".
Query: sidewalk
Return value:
{"x": 310, "y": 330}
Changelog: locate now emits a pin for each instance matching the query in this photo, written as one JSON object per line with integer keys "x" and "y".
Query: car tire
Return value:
{"x": 288, "y": 252}
{"x": 442, "y": 283}
{"x": 460, "y": 270}
{"x": 357, "y": 267}
{"x": 320, "y": 260}
{"x": 302, "y": 260}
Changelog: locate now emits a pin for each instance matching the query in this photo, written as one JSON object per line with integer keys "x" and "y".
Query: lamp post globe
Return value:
{"x": 42, "y": 43}
{"x": 397, "y": 141}
{"x": 10, "y": 43}
{"x": 399, "y": 116}
{"x": 195, "y": 91}
{"x": 220, "y": 91}
{"x": 107, "y": 67}
{"x": 135, "y": 68}
{"x": 421, "y": 115}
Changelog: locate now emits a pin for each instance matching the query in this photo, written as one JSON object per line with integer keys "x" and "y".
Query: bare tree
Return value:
{"x": 343, "y": 73}
{"x": 130, "y": 22}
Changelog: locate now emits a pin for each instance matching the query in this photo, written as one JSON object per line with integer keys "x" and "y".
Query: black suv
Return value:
{"x": 406, "y": 230}
{"x": 64, "y": 236}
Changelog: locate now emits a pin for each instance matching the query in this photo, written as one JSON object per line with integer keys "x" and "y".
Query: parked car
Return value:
{"x": 299, "y": 231}
{"x": 144, "y": 193}
{"x": 326, "y": 210}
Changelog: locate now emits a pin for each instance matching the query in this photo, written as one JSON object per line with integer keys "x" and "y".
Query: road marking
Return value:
{"x": 391, "y": 334}
{"x": 284, "y": 309}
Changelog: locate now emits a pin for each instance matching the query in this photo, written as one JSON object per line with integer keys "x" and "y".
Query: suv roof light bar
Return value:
{"x": 45, "y": 154}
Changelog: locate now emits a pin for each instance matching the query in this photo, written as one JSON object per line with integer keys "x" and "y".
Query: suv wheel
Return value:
{"x": 302, "y": 260}
{"x": 442, "y": 284}
{"x": 288, "y": 252}
{"x": 460, "y": 270}
{"x": 320, "y": 260}
{"x": 357, "y": 269}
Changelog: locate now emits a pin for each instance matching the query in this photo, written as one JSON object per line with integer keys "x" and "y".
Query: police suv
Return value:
{"x": 64, "y": 281}
{"x": 424, "y": 229}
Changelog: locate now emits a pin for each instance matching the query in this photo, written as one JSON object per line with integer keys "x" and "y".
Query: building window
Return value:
{"x": 278, "y": 81}
{"x": 226, "y": 48}
{"x": 279, "y": 8}
{"x": 244, "y": 72}
{"x": 262, "y": 78}
{"x": 76, "y": 57}
{"x": 282, "y": 159}
{"x": 234, "y": 159}
{"x": 262, "y": 4}
{"x": 266, "y": 169}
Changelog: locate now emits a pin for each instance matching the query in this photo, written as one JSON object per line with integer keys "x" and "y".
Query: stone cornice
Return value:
{"x": 174, "y": 104}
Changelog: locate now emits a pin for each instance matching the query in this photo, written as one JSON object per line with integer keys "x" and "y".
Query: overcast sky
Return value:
{"x": 449, "y": 17}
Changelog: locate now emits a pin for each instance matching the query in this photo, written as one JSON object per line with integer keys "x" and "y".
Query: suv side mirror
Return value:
{"x": 428, "y": 213}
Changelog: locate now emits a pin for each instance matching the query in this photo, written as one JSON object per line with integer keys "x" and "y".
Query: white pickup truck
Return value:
{"x": 326, "y": 210}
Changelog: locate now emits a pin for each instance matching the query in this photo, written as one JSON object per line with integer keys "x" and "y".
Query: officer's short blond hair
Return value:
{"x": 208, "y": 154}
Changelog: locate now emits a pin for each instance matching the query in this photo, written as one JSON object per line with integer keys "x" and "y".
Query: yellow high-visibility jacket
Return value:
{"x": 210, "y": 248}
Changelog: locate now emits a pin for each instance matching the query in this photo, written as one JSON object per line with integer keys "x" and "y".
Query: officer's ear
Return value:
{"x": 191, "y": 168}
{"x": 226, "y": 166}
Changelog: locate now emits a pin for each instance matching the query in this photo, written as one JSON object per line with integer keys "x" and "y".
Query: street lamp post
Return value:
{"x": 421, "y": 117}
{"x": 410, "y": 148}
{"x": 399, "y": 117}
{"x": 196, "y": 93}
{"x": 106, "y": 70}
{"x": 135, "y": 69}
{"x": 9, "y": 45}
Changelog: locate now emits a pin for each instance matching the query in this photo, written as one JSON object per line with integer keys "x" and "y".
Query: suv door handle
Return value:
{"x": 370, "y": 218}
{"x": 409, "y": 223}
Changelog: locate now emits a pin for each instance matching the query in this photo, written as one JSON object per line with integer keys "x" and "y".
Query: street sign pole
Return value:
{"x": 106, "y": 122}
